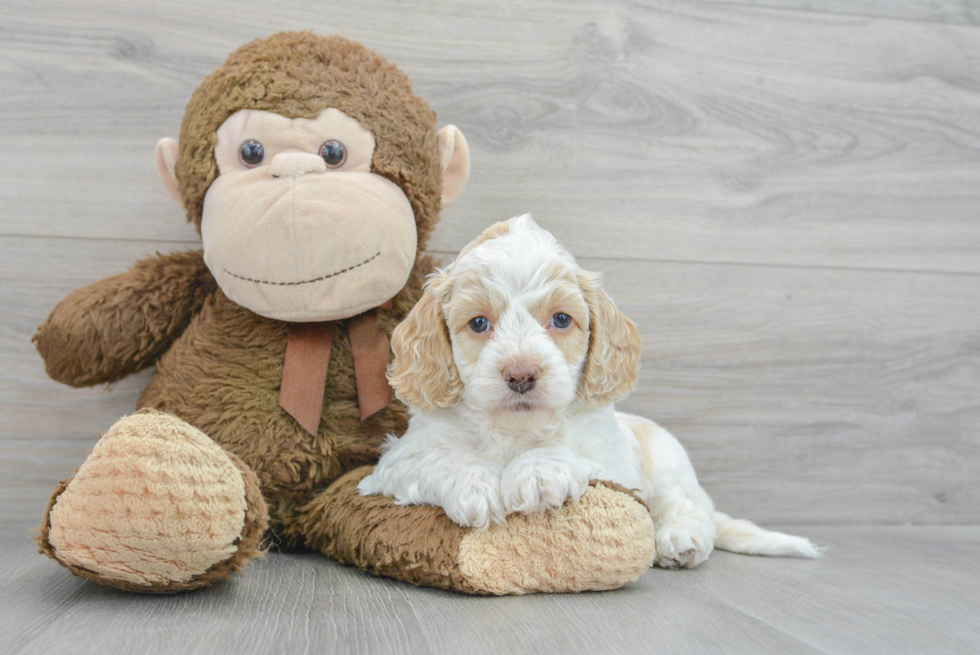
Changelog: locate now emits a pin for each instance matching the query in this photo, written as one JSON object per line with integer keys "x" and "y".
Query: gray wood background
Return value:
{"x": 730, "y": 605}
{"x": 785, "y": 200}
{"x": 784, "y": 194}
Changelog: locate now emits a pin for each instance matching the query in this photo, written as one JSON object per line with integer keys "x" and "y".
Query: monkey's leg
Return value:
{"x": 604, "y": 541}
{"x": 156, "y": 507}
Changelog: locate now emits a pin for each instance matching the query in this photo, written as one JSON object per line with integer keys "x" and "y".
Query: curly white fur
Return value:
{"x": 481, "y": 449}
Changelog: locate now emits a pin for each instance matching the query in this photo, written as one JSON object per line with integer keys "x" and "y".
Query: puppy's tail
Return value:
{"x": 741, "y": 536}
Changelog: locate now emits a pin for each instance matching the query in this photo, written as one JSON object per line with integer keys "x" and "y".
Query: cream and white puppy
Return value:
{"x": 510, "y": 364}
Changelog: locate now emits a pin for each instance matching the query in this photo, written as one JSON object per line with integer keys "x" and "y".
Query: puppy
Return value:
{"x": 510, "y": 364}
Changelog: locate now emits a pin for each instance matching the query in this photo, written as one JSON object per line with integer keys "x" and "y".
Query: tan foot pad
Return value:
{"x": 157, "y": 502}
{"x": 602, "y": 542}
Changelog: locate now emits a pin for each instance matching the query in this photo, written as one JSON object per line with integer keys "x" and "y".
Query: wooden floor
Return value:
{"x": 784, "y": 194}
{"x": 880, "y": 590}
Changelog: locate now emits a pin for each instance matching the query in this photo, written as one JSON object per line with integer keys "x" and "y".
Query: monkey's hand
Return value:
{"x": 119, "y": 325}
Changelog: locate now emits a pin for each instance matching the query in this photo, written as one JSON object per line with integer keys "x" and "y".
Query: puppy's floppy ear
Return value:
{"x": 423, "y": 373}
{"x": 613, "y": 363}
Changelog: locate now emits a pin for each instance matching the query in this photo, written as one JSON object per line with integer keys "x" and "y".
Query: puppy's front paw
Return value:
{"x": 534, "y": 483}
{"x": 684, "y": 542}
{"x": 473, "y": 498}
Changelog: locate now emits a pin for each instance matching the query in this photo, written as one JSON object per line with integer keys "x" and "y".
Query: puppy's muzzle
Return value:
{"x": 521, "y": 377}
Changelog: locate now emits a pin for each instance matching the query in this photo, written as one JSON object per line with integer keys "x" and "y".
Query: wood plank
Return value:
{"x": 940, "y": 11}
{"x": 48, "y": 428}
{"x": 676, "y": 131}
{"x": 293, "y": 603}
{"x": 873, "y": 592}
{"x": 881, "y": 589}
{"x": 803, "y": 395}
{"x": 807, "y": 395}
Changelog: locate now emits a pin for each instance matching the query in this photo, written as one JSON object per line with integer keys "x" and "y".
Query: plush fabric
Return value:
{"x": 417, "y": 544}
{"x": 212, "y": 429}
{"x": 278, "y": 134}
{"x": 603, "y": 542}
{"x": 314, "y": 248}
{"x": 223, "y": 376}
{"x": 298, "y": 75}
{"x": 187, "y": 485}
{"x": 157, "y": 507}
{"x": 118, "y": 326}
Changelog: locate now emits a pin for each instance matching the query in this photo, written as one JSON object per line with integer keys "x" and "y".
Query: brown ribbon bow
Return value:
{"x": 304, "y": 373}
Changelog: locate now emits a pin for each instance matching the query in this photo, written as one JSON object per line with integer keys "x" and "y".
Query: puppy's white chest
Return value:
{"x": 595, "y": 436}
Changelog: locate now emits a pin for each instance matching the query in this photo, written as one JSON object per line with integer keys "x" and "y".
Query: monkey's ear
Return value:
{"x": 454, "y": 155}
{"x": 165, "y": 159}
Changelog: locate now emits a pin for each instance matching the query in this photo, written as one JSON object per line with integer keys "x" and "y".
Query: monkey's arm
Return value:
{"x": 119, "y": 325}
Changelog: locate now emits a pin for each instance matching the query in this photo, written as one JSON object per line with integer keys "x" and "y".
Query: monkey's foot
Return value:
{"x": 604, "y": 541}
{"x": 157, "y": 507}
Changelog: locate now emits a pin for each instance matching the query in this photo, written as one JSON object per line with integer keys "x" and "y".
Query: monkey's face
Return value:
{"x": 296, "y": 227}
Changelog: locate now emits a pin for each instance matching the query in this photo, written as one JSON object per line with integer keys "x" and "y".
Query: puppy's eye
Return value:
{"x": 334, "y": 153}
{"x": 480, "y": 324}
{"x": 251, "y": 153}
{"x": 561, "y": 320}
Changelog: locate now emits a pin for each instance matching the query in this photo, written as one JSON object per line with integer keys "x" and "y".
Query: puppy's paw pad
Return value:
{"x": 684, "y": 542}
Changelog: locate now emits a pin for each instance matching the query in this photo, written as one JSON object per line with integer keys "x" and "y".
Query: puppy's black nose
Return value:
{"x": 521, "y": 386}
{"x": 521, "y": 378}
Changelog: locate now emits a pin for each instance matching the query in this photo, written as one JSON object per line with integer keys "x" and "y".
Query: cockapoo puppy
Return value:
{"x": 510, "y": 364}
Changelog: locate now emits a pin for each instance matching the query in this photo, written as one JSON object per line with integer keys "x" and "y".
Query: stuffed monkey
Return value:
{"x": 315, "y": 176}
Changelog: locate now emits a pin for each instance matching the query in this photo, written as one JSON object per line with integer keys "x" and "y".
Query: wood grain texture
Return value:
{"x": 854, "y": 395}
{"x": 880, "y": 589}
{"x": 765, "y": 212}
{"x": 941, "y": 11}
{"x": 782, "y": 196}
{"x": 668, "y": 130}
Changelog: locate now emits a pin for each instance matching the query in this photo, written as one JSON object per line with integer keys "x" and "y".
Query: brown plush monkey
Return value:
{"x": 315, "y": 176}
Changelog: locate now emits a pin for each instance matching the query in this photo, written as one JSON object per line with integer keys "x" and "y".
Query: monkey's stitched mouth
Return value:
{"x": 316, "y": 279}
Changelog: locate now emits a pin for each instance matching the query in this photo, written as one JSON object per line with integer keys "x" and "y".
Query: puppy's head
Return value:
{"x": 516, "y": 330}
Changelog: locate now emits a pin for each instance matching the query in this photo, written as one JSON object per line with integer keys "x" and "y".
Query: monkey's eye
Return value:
{"x": 251, "y": 153}
{"x": 334, "y": 153}
{"x": 561, "y": 320}
{"x": 480, "y": 324}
